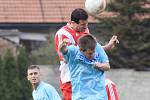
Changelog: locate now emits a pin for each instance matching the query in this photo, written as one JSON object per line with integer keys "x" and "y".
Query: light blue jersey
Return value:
{"x": 45, "y": 91}
{"x": 88, "y": 83}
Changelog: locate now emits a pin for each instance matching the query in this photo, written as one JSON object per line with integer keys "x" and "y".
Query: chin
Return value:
{"x": 90, "y": 58}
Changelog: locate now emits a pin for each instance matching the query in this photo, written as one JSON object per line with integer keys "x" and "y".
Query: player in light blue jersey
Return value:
{"x": 87, "y": 64}
{"x": 41, "y": 90}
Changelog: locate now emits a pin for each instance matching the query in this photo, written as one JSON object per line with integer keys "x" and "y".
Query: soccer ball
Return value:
{"x": 95, "y": 7}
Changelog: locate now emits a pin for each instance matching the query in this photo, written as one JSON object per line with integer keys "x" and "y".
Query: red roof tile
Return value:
{"x": 38, "y": 11}
{"x": 20, "y": 11}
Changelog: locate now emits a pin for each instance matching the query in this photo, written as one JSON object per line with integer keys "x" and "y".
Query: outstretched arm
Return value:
{"x": 111, "y": 44}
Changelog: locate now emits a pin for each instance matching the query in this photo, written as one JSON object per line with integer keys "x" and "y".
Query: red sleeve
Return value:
{"x": 58, "y": 40}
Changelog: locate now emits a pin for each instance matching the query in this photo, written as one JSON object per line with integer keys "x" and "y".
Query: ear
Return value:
{"x": 81, "y": 49}
{"x": 28, "y": 78}
{"x": 72, "y": 22}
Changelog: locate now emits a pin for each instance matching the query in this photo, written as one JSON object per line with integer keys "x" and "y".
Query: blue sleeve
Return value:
{"x": 71, "y": 53}
{"x": 102, "y": 54}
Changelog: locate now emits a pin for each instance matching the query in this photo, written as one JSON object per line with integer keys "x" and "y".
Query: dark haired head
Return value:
{"x": 79, "y": 14}
{"x": 86, "y": 42}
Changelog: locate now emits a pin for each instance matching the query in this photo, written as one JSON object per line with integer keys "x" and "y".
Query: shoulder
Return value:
{"x": 49, "y": 88}
{"x": 46, "y": 85}
{"x": 72, "y": 50}
{"x": 98, "y": 46}
{"x": 62, "y": 31}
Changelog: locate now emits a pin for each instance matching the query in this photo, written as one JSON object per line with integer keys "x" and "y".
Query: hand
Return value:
{"x": 113, "y": 41}
{"x": 63, "y": 44}
{"x": 102, "y": 66}
{"x": 97, "y": 65}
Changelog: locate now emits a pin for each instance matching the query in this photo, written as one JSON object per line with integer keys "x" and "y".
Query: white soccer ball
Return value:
{"x": 95, "y": 7}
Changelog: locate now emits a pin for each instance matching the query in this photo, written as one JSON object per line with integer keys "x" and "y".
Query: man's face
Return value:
{"x": 34, "y": 75}
{"x": 89, "y": 53}
{"x": 81, "y": 27}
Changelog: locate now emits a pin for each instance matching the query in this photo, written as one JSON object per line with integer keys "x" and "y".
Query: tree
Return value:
{"x": 13, "y": 82}
{"x": 133, "y": 31}
{"x": 9, "y": 77}
{"x": 1, "y": 78}
{"x": 22, "y": 64}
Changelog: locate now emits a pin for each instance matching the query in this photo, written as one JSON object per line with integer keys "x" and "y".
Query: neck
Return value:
{"x": 35, "y": 85}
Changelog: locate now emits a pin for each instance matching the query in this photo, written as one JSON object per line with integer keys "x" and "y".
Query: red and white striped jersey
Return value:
{"x": 111, "y": 90}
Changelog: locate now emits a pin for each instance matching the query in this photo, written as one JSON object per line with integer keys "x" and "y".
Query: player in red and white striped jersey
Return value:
{"x": 111, "y": 90}
{"x": 75, "y": 28}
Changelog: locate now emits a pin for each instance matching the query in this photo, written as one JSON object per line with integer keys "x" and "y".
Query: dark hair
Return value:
{"x": 86, "y": 42}
{"x": 33, "y": 67}
{"x": 79, "y": 14}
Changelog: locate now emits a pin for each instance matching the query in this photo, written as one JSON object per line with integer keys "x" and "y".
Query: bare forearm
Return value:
{"x": 102, "y": 66}
{"x": 106, "y": 47}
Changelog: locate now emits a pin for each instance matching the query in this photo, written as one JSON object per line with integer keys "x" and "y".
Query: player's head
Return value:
{"x": 79, "y": 19}
{"x": 79, "y": 14}
{"x": 33, "y": 74}
{"x": 87, "y": 44}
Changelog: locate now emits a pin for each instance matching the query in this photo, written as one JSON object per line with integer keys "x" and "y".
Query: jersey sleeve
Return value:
{"x": 70, "y": 55}
{"x": 103, "y": 56}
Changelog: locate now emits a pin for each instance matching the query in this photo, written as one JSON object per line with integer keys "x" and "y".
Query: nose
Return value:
{"x": 84, "y": 27}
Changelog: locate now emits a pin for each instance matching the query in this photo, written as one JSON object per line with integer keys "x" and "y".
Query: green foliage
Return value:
{"x": 133, "y": 34}
{"x": 1, "y": 78}
{"x": 13, "y": 82}
{"x": 24, "y": 86}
